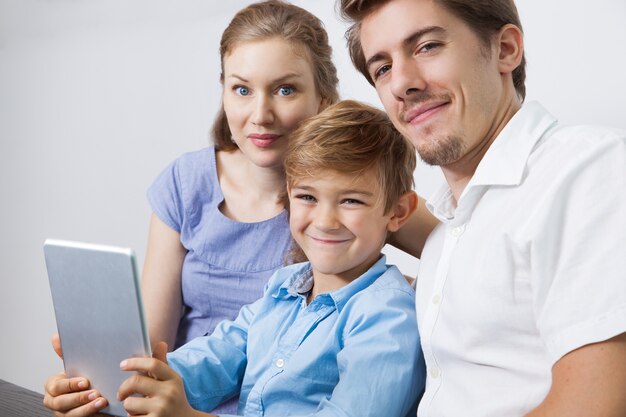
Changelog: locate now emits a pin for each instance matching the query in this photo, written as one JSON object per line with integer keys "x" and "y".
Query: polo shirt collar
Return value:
{"x": 504, "y": 162}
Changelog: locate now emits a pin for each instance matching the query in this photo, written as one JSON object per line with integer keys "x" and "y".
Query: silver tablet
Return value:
{"x": 99, "y": 313}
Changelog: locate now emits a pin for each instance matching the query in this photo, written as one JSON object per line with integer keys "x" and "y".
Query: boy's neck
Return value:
{"x": 328, "y": 282}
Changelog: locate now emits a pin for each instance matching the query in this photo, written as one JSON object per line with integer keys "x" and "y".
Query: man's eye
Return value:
{"x": 241, "y": 91}
{"x": 381, "y": 71}
{"x": 429, "y": 47}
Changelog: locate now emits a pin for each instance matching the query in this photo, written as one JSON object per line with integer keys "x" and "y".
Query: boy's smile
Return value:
{"x": 338, "y": 221}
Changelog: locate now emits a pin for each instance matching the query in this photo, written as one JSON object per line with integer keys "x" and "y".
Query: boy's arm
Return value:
{"x": 159, "y": 388}
{"x": 203, "y": 373}
{"x": 212, "y": 367}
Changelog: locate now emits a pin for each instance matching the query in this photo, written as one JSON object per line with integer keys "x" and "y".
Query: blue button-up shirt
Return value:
{"x": 354, "y": 351}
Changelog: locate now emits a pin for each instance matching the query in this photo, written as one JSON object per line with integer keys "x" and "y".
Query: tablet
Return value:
{"x": 99, "y": 313}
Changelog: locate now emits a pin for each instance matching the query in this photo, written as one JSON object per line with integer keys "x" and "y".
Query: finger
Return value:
{"x": 139, "y": 406}
{"x": 160, "y": 352}
{"x": 67, "y": 402}
{"x": 60, "y": 384}
{"x": 156, "y": 368}
{"x": 138, "y": 384}
{"x": 56, "y": 345}
{"x": 88, "y": 409}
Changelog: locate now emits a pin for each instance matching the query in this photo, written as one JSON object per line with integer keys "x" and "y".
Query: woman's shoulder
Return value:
{"x": 200, "y": 158}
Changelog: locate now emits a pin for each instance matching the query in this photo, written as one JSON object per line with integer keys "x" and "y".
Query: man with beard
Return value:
{"x": 521, "y": 293}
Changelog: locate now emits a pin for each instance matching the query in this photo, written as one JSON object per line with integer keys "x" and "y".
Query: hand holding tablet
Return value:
{"x": 97, "y": 302}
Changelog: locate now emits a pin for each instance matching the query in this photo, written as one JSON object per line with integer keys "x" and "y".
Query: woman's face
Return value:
{"x": 268, "y": 90}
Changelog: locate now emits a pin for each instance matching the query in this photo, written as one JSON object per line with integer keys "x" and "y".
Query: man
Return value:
{"x": 521, "y": 293}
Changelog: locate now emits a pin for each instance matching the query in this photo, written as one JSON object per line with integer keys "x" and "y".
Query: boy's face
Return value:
{"x": 338, "y": 221}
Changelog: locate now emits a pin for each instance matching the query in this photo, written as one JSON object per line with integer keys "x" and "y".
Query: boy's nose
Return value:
{"x": 326, "y": 219}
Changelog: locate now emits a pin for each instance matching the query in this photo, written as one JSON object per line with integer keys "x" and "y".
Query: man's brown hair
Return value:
{"x": 484, "y": 17}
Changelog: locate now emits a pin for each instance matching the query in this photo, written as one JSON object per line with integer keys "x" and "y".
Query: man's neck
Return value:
{"x": 459, "y": 173}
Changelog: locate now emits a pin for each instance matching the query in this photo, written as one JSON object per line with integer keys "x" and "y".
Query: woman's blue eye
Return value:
{"x": 286, "y": 90}
{"x": 242, "y": 91}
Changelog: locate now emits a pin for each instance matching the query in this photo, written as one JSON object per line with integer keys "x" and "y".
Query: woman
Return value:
{"x": 219, "y": 229}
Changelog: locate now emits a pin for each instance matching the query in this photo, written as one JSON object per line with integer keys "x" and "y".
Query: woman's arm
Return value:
{"x": 412, "y": 236}
{"x": 161, "y": 282}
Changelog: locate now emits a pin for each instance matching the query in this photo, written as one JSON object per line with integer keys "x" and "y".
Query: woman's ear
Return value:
{"x": 510, "y": 43}
{"x": 324, "y": 102}
{"x": 402, "y": 210}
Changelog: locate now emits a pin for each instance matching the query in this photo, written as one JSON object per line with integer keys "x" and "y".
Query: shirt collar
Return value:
{"x": 301, "y": 282}
{"x": 504, "y": 162}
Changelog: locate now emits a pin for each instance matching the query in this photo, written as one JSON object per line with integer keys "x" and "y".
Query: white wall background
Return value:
{"x": 97, "y": 96}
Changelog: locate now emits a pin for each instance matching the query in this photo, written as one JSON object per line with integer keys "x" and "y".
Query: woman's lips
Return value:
{"x": 263, "y": 140}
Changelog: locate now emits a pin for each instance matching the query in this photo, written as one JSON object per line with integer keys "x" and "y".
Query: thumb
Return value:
{"x": 160, "y": 351}
{"x": 56, "y": 345}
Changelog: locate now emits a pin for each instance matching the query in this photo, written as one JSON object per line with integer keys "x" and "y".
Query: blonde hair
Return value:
{"x": 352, "y": 137}
{"x": 275, "y": 18}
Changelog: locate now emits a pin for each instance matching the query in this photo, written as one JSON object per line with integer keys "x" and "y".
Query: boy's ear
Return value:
{"x": 402, "y": 210}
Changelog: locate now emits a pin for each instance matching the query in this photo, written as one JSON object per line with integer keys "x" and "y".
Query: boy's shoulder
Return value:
{"x": 387, "y": 290}
{"x": 392, "y": 278}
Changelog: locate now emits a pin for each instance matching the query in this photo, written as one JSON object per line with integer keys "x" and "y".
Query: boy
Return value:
{"x": 334, "y": 336}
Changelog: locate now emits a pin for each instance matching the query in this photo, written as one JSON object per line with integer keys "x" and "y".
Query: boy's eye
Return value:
{"x": 286, "y": 90}
{"x": 305, "y": 197}
{"x": 241, "y": 91}
{"x": 352, "y": 201}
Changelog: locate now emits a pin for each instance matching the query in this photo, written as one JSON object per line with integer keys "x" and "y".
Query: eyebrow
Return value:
{"x": 278, "y": 80}
{"x": 348, "y": 191}
{"x": 409, "y": 40}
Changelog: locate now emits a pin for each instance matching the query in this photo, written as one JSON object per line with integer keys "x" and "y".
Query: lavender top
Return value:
{"x": 228, "y": 263}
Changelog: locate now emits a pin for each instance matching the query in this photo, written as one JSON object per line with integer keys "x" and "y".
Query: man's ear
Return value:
{"x": 402, "y": 210}
{"x": 510, "y": 44}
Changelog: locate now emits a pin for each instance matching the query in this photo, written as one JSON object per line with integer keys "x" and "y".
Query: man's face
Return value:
{"x": 439, "y": 83}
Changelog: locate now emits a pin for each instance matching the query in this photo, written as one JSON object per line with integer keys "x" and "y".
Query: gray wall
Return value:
{"x": 97, "y": 96}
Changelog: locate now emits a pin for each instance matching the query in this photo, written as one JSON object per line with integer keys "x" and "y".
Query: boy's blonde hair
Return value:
{"x": 352, "y": 137}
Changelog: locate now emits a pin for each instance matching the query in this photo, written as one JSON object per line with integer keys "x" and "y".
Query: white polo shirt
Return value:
{"x": 529, "y": 266}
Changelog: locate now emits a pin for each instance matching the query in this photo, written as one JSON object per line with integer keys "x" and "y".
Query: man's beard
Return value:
{"x": 442, "y": 151}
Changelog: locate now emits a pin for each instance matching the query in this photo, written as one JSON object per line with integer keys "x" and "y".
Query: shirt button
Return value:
{"x": 457, "y": 231}
{"x": 434, "y": 372}
{"x": 280, "y": 363}
{"x": 436, "y": 299}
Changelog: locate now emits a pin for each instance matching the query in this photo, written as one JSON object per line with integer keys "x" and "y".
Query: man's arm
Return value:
{"x": 412, "y": 235}
{"x": 588, "y": 382}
